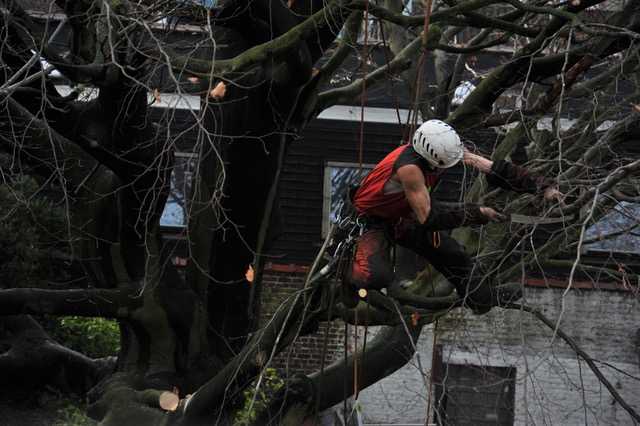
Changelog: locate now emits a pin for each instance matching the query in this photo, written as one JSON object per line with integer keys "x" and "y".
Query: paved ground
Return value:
{"x": 49, "y": 411}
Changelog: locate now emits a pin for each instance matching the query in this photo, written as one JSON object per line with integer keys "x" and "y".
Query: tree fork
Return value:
{"x": 281, "y": 330}
{"x": 31, "y": 357}
{"x": 390, "y": 349}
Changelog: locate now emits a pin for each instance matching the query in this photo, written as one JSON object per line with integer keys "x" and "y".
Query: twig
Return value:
{"x": 585, "y": 356}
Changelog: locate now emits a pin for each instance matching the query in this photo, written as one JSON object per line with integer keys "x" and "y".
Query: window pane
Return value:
{"x": 339, "y": 177}
{"x": 175, "y": 209}
{"x": 476, "y": 395}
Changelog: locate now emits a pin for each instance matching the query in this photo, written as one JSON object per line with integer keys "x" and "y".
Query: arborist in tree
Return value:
{"x": 393, "y": 201}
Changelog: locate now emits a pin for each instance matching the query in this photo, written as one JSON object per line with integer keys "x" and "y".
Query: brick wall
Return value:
{"x": 281, "y": 282}
{"x": 552, "y": 386}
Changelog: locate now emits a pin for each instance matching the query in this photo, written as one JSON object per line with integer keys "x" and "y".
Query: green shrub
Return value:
{"x": 72, "y": 413}
{"x": 94, "y": 337}
{"x": 256, "y": 401}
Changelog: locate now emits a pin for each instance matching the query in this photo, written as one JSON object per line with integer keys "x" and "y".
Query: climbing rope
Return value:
{"x": 342, "y": 256}
{"x": 414, "y": 124}
{"x": 436, "y": 236}
{"x": 433, "y": 361}
{"x": 340, "y": 261}
{"x": 412, "y": 118}
{"x": 363, "y": 95}
{"x": 410, "y": 127}
{"x": 363, "y": 99}
{"x": 386, "y": 49}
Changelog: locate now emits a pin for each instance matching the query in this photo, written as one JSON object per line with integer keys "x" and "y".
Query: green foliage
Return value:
{"x": 94, "y": 337}
{"x": 33, "y": 231}
{"x": 73, "y": 414}
{"x": 255, "y": 401}
{"x": 30, "y": 228}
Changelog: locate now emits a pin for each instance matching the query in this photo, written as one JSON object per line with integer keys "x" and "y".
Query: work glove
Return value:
{"x": 444, "y": 215}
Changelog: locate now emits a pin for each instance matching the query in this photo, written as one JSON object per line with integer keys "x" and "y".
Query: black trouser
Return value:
{"x": 372, "y": 266}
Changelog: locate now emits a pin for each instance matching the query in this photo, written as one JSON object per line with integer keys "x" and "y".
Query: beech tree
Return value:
{"x": 191, "y": 343}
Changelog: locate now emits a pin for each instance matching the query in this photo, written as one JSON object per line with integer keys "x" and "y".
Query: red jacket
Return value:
{"x": 370, "y": 199}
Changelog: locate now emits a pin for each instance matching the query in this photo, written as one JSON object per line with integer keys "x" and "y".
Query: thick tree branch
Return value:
{"x": 473, "y": 47}
{"x": 46, "y": 146}
{"x": 31, "y": 33}
{"x": 391, "y": 349}
{"x": 560, "y": 13}
{"x": 345, "y": 46}
{"x": 545, "y": 102}
{"x": 33, "y": 360}
{"x": 281, "y": 330}
{"x": 482, "y": 98}
{"x": 628, "y": 65}
{"x": 418, "y": 20}
{"x": 88, "y": 303}
{"x": 276, "y": 49}
{"x": 504, "y": 23}
{"x": 388, "y": 351}
{"x": 600, "y": 270}
{"x": 372, "y": 315}
{"x": 401, "y": 62}
{"x": 334, "y": 12}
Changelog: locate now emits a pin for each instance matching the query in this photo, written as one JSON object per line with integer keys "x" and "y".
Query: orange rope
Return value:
{"x": 365, "y": 53}
{"x": 355, "y": 356}
{"x": 436, "y": 239}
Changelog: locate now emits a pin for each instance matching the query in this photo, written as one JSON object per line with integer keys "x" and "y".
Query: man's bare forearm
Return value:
{"x": 420, "y": 204}
{"x": 477, "y": 162}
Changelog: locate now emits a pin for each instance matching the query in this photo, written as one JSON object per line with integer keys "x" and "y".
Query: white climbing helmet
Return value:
{"x": 438, "y": 143}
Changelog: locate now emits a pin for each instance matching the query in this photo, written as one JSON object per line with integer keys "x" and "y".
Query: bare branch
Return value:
{"x": 585, "y": 356}
{"x": 611, "y": 180}
{"x": 482, "y": 98}
{"x": 401, "y": 62}
{"x": 54, "y": 150}
{"x": 475, "y": 47}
